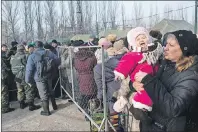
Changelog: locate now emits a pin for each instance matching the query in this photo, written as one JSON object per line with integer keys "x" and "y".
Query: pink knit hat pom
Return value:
{"x": 104, "y": 42}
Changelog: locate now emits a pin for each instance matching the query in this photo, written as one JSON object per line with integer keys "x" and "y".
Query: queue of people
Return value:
{"x": 155, "y": 74}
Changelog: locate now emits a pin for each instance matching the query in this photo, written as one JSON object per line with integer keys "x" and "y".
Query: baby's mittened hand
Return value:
{"x": 139, "y": 76}
{"x": 117, "y": 78}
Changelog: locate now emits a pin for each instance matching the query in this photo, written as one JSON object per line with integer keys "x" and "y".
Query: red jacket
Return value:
{"x": 129, "y": 65}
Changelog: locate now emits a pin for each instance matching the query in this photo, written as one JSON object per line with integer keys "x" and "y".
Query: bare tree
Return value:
{"x": 11, "y": 17}
{"x": 87, "y": 16}
{"x": 151, "y": 16}
{"x": 31, "y": 17}
{"x": 138, "y": 14}
{"x": 112, "y": 7}
{"x": 63, "y": 20}
{"x": 168, "y": 12}
{"x": 50, "y": 17}
{"x": 96, "y": 17}
{"x": 103, "y": 13}
{"x": 181, "y": 13}
{"x": 25, "y": 13}
{"x": 123, "y": 16}
{"x": 39, "y": 18}
{"x": 156, "y": 15}
{"x": 71, "y": 14}
{"x": 28, "y": 15}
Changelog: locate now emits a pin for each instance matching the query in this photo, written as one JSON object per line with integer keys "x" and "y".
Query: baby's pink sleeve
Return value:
{"x": 126, "y": 65}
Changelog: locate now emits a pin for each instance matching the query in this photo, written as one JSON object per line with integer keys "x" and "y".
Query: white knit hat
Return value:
{"x": 133, "y": 33}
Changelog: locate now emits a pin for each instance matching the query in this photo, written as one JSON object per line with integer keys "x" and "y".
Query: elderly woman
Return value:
{"x": 174, "y": 90}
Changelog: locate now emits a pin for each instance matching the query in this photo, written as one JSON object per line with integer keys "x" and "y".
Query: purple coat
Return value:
{"x": 84, "y": 63}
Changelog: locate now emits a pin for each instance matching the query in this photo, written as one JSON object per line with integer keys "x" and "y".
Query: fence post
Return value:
{"x": 72, "y": 76}
{"x": 104, "y": 93}
{"x": 59, "y": 57}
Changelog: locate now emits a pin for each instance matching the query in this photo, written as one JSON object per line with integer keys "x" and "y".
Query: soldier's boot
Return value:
{"x": 7, "y": 110}
{"x": 32, "y": 106}
{"x": 45, "y": 111}
{"x": 23, "y": 104}
{"x": 54, "y": 106}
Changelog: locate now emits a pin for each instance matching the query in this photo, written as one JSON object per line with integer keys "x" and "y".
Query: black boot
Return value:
{"x": 54, "y": 106}
{"x": 33, "y": 107}
{"x": 23, "y": 104}
{"x": 45, "y": 111}
{"x": 8, "y": 110}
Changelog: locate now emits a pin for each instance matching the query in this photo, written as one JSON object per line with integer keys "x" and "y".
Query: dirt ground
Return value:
{"x": 66, "y": 118}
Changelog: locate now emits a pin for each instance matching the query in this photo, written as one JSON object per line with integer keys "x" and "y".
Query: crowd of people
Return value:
{"x": 155, "y": 74}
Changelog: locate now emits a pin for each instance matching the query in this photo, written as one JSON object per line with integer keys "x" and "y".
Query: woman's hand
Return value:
{"x": 139, "y": 76}
{"x": 138, "y": 86}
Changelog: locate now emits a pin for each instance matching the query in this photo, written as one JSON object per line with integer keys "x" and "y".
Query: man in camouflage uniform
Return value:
{"x": 18, "y": 63}
{"x": 4, "y": 81}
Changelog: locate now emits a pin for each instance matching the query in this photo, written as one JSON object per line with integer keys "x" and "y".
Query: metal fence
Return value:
{"x": 77, "y": 81}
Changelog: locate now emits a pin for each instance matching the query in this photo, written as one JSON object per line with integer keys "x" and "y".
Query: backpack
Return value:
{"x": 45, "y": 65}
{"x": 18, "y": 66}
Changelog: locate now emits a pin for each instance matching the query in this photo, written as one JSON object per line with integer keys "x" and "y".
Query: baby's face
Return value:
{"x": 142, "y": 41}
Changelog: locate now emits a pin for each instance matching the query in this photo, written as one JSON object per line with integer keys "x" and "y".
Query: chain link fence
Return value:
{"x": 77, "y": 81}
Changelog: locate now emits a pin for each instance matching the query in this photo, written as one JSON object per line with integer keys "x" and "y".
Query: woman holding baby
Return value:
{"x": 167, "y": 95}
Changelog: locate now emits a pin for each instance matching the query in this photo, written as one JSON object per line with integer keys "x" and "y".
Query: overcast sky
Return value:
{"x": 161, "y": 4}
{"x": 146, "y": 5}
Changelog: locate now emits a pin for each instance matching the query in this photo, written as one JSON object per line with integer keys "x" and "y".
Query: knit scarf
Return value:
{"x": 152, "y": 56}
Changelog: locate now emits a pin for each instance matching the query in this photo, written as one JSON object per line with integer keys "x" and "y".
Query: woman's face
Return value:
{"x": 142, "y": 41}
{"x": 172, "y": 50}
{"x": 4, "y": 48}
{"x": 31, "y": 49}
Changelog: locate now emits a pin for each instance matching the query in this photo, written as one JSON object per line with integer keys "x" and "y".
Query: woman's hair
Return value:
{"x": 184, "y": 63}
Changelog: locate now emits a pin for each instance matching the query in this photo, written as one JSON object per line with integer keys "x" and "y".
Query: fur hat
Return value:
{"x": 112, "y": 37}
{"x": 187, "y": 41}
{"x": 111, "y": 51}
{"x": 118, "y": 45}
{"x": 20, "y": 47}
{"x": 155, "y": 34}
{"x": 134, "y": 33}
{"x": 104, "y": 42}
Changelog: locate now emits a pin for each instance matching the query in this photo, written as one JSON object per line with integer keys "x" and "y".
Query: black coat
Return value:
{"x": 175, "y": 98}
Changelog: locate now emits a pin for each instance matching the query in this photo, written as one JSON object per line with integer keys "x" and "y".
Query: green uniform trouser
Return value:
{"x": 25, "y": 92}
{"x": 4, "y": 95}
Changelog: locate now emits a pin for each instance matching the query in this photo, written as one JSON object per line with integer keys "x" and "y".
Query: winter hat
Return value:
{"x": 104, "y": 42}
{"x": 120, "y": 104}
{"x": 4, "y": 45}
{"x": 54, "y": 41}
{"x": 20, "y": 47}
{"x": 14, "y": 43}
{"x": 112, "y": 37}
{"x": 118, "y": 45}
{"x": 39, "y": 44}
{"x": 78, "y": 43}
{"x": 111, "y": 51}
{"x": 187, "y": 41}
{"x": 30, "y": 45}
{"x": 155, "y": 34}
{"x": 134, "y": 33}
